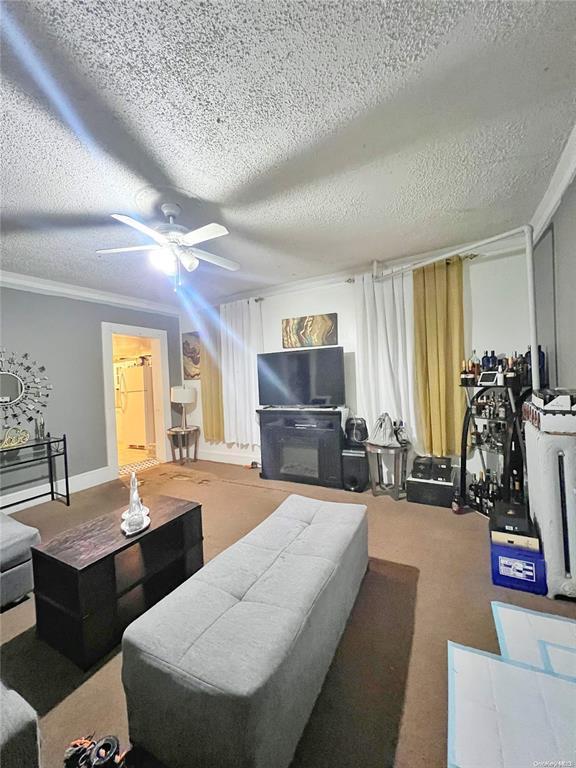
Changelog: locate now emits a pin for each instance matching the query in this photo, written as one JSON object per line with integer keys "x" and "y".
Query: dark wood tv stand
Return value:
{"x": 302, "y": 444}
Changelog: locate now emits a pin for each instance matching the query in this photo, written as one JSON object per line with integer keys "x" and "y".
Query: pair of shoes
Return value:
{"x": 87, "y": 753}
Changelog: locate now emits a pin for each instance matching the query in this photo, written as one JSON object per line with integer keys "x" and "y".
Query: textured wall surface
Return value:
{"x": 555, "y": 257}
{"x": 323, "y": 134}
{"x": 565, "y": 261}
{"x": 65, "y": 335}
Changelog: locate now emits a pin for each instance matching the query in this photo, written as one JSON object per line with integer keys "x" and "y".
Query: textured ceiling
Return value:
{"x": 322, "y": 134}
{"x": 130, "y": 346}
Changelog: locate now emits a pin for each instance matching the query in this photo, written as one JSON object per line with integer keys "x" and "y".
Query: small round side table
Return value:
{"x": 180, "y": 438}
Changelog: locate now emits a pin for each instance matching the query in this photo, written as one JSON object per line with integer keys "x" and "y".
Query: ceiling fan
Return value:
{"x": 174, "y": 244}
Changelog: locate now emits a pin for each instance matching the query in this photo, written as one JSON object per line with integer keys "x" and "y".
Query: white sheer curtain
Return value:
{"x": 241, "y": 339}
{"x": 385, "y": 349}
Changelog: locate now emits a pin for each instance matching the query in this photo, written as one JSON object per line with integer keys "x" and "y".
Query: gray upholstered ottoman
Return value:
{"x": 16, "y": 539}
{"x": 224, "y": 672}
{"x": 18, "y": 731}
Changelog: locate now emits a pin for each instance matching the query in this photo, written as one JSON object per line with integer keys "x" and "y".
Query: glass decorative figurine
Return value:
{"x": 137, "y": 517}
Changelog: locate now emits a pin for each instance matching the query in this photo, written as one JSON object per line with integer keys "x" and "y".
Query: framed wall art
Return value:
{"x": 310, "y": 331}
{"x": 191, "y": 354}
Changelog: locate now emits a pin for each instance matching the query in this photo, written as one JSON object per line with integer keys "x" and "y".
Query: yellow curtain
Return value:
{"x": 211, "y": 384}
{"x": 439, "y": 351}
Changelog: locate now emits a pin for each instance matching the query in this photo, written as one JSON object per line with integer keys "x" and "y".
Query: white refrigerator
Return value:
{"x": 135, "y": 406}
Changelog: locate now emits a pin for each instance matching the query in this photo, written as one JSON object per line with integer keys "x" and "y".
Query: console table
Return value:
{"x": 44, "y": 451}
{"x": 91, "y": 581}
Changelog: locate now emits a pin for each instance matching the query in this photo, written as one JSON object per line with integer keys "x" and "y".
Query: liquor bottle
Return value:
{"x": 475, "y": 362}
{"x": 472, "y": 490}
{"x": 486, "y": 361}
{"x": 478, "y": 493}
{"x": 516, "y": 487}
{"x": 510, "y": 373}
{"x": 457, "y": 507}
{"x": 542, "y": 366}
{"x": 502, "y": 409}
{"x": 528, "y": 370}
{"x": 466, "y": 377}
{"x": 493, "y": 361}
{"x": 520, "y": 368}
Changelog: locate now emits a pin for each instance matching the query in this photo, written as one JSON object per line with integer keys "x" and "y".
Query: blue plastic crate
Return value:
{"x": 518, "y": 568}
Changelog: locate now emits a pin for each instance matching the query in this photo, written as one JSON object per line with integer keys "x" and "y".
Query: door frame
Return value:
{"x": 161, "y": 387}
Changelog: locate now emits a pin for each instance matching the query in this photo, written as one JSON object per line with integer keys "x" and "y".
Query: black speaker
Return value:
{"x": 356, "y": 432}
{"x": 354, "y": 470}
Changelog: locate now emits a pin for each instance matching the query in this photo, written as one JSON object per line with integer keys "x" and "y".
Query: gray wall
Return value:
{"x": 65, "y": 335}
{"x": 555, "y": 260}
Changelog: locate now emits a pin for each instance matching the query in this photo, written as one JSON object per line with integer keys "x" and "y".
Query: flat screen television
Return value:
{"x": 302, "y": 377}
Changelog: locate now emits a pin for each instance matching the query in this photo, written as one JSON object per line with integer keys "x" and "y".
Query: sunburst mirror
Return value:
{"x": 24, "y": 388}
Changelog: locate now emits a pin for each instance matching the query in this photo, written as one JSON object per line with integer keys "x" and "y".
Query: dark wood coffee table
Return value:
{"x": 91, "y": 581}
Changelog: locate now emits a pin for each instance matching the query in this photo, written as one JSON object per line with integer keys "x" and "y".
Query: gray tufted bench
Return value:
{"x": 18, "y": 731}
{"x": 225, "y": 670}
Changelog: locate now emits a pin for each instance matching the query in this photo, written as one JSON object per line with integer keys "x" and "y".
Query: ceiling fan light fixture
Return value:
{"x": 164, "y": 260}
{"x": 189, "y": 261}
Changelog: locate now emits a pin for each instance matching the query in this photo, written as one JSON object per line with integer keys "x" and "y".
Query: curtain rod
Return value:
{"x": 528, "y": 233}
{"x": 391, "y": 272}
{"x": 258, "y": 299}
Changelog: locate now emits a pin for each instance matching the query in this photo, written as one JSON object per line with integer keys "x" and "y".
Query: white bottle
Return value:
{"x": 500, "y": 377}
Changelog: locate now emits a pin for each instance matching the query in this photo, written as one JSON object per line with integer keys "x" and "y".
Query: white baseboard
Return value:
{"x": 77, "y": 483}
{"x": 228, "y": 457}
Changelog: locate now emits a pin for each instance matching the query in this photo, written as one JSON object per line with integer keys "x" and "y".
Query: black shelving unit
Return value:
{"x": 44, "y": 451}
{"x": 513, "y": 429}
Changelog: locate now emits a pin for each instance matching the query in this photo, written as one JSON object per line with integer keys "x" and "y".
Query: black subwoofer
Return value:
{"x": 354, "y": 470}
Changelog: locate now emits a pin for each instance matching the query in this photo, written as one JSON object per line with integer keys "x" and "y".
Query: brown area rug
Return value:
{"x": 356, "y": 720}
{"x": 173, "y": 472}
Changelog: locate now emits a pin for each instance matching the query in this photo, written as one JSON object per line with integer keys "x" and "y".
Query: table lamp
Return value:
{"x": 183, "y": 396}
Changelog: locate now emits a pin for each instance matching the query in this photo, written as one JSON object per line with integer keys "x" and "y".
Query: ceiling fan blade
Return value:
{"x": 219, "y": 261}
{"x": 156, "y": 236}
{"x": 209, "y": 232}
{"x": 130, "y": 248}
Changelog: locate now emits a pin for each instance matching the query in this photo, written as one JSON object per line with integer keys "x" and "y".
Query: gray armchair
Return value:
{"x": 16, "y": 578}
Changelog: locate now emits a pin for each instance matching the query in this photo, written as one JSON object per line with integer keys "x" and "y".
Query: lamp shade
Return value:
{"x": 182, "y": 395}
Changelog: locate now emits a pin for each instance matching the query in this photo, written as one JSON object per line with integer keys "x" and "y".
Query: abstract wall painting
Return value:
{"x": 191, "y": 354}
{"x": 310, "y": 331}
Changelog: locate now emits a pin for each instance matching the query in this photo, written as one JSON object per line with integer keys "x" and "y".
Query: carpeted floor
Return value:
{"x": 384, "y": 701}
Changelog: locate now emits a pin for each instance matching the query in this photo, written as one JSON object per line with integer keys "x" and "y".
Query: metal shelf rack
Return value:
{"x": 516, "y": 397}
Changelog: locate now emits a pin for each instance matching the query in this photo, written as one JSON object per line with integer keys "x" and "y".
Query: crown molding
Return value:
{"x": 559, "y": 183}
{"x": 31, "y": 284}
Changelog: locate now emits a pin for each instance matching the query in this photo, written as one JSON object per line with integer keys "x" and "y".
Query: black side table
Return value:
{"x": 44, "y": 451}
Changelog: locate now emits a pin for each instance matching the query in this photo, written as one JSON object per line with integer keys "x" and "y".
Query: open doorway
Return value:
{"x": 133, "y": 361}
{"x": 137, "y": 404}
